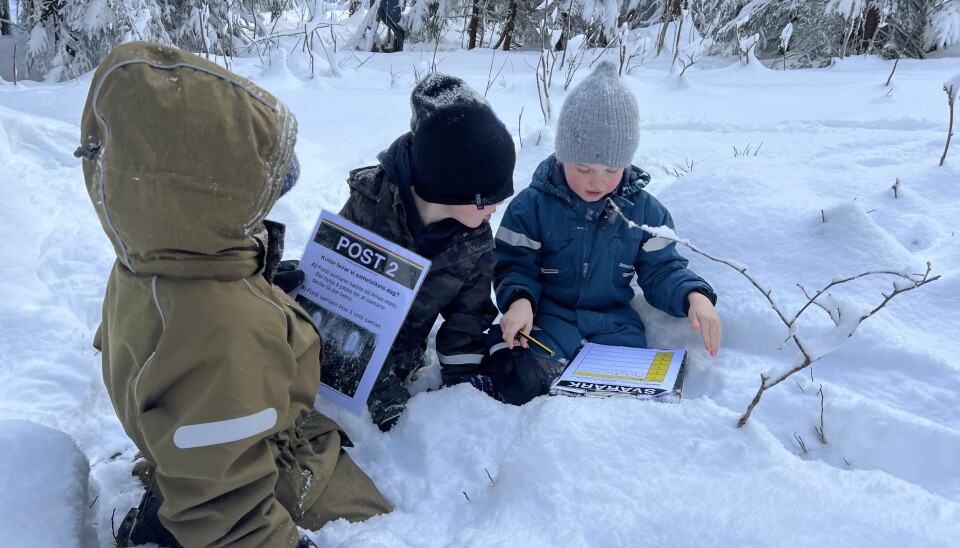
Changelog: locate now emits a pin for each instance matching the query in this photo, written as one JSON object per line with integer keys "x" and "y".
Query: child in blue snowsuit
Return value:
{"x": 565, "y": 258}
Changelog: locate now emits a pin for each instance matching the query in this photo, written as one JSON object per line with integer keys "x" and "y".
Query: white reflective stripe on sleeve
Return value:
{"x": 496, "y": 347}
{"x": 215, "y": 433}
{"x": 460, "y": 359}
{"x": 656, "y": 244}
{"x": 516, "y": 239}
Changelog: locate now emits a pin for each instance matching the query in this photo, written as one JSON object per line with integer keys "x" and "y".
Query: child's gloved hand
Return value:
{"x": 305, "y": 542}
{"x": 289, "y": 276}
{"x": 704, "y": 318}
{"x": 518, "y": 317}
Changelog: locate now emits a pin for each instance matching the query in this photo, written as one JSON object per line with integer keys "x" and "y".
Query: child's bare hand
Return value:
{"x": 518, "y": 317}
{"x": 704, "y": 318}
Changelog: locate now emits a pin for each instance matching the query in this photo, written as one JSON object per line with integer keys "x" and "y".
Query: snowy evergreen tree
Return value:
{"x": 513, "y": 22}
{"x": 66, "y": 38}
{"x": 534, "y": 22}
{"x": 597, "y": 19}
{"x": 944, "y": 28}
{"x": 427, "y": 19}
{"x": 69, "y": 37}
{"x": 812, "y": 33}
{"x": 218, "y": 28}
{"x": 820, "y": 30}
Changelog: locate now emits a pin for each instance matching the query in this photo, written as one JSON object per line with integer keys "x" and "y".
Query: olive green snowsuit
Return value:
{"x": 213, "y": 371}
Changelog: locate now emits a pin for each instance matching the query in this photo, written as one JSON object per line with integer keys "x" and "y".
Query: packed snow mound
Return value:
{"x": 45, "y": 475}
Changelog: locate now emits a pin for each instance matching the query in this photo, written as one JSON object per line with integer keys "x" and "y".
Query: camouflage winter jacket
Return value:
{"x": 457, "y": 286}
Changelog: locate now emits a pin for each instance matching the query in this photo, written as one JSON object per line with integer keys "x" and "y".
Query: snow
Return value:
{"x": 65, "y": 475}
{"x": 952, "y": 87}
{"x": 785, "y": 36}
{"x": 813, "y": 204}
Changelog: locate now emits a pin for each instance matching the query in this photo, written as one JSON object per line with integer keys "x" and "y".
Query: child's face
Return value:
{"x": 469, "y": 215}
{"x": 592, "y": 182}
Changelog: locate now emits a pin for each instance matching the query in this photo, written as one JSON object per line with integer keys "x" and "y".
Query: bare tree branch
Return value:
{"x": 806, "y": 357}
{"x": 951, "y": 94}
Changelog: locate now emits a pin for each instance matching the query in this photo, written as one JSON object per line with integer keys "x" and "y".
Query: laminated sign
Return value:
{"x": 358, "y": 290}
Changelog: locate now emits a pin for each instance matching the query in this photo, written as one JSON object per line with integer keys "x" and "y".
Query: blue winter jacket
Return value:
{"x": 576, "y": 260}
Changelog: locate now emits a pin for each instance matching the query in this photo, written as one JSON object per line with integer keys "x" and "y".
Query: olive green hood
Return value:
{"x": 183, "y": 160}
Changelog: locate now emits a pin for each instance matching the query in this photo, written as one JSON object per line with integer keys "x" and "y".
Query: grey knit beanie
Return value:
{"x": 599, "y": 122}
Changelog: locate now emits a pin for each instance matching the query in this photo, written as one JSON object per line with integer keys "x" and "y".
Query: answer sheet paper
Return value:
{"x": 601, "y": 370}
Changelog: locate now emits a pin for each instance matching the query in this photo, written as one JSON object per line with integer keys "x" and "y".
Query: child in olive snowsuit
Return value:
{"x": 566, "y": 258}
{"x": 434, "y": 192}
{"x": 213, "y": 372}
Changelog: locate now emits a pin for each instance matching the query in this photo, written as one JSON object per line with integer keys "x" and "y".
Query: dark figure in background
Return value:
{"x": 388, "y": 11}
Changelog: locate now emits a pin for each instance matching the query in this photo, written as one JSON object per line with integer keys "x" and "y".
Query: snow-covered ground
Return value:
{"x": 788, "y": 173}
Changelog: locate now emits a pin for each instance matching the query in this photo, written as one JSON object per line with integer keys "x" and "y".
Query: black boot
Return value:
{"x": 521, "y": 374}
{"x": 142, "y": 525}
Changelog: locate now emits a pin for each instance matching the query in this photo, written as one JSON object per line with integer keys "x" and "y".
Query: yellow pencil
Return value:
{"x": 536, "y": 342}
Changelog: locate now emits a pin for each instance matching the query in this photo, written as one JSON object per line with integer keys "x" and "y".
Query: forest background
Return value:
{"x": 62, "y": 39}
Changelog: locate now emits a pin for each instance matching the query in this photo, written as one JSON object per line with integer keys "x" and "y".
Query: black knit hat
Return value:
{"x": 462, "y": 154}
